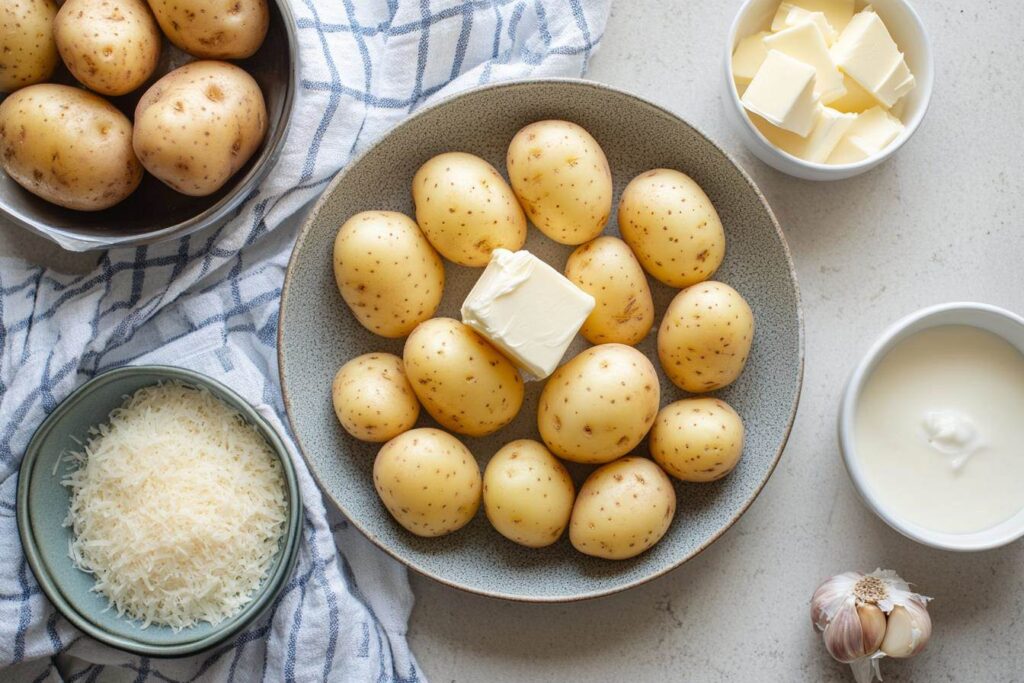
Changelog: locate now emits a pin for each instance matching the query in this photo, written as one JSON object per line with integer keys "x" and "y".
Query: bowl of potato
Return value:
{"x": 542, "y": 342}
{"x": 127, "y": 122}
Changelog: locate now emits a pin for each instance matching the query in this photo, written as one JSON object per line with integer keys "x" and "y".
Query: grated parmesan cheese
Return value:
{"x": 177, "y": 507}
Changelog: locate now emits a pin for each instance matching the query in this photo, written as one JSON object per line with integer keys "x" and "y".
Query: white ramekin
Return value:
{"x": 1007, "y": 325}
{"x": 909, "y": 33}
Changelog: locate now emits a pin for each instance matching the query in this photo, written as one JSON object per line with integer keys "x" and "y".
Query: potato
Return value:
{"x": 28, "y": 53}
{"x": 196, "y": 126}
{"x": 372, "y": 397}
{"x": 561, "y": 177}
{"x": 606, "y": 269}
{"x": 623, "y": 508}
{"x": 672, "y": 227}
{"x": 466, "y": 209}
{"x": 705, "y": 337}
{"x": 428, "y": 480}
{"x": 697, "y": 439}
{"x": 68, "y": 146}
{"x": 214, "y": 29}
{"x": 387, "y": 272}
{"x": 462, "y": 381}
{"x": 111, "y": 46}
{"x": 599, "y": 406}
{"x": 528, "y": 494}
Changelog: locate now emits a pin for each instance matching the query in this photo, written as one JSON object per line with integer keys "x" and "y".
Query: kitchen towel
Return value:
{"x": 210, "y": 302}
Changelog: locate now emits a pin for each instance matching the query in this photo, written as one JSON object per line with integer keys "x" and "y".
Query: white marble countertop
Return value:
{"x": 942, "y": 221}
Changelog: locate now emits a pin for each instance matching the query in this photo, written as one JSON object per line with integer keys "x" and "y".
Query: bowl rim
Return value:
{"x": 882, "y": 345}
{"x": 214, "y": 215}
{"x": 280, "y": 570}
{"x": 838, "y": 170}
{"x": 282, "y": 364}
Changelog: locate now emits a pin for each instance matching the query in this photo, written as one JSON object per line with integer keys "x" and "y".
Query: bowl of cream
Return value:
{"x": 931, "y": 426}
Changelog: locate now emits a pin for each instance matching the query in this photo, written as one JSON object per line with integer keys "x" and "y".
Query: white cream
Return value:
{"x": 939, "y": 432}
{"x": 527, "y": 309}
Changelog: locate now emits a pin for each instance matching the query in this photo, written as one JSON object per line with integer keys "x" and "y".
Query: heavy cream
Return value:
{"x": 939, "y": 429}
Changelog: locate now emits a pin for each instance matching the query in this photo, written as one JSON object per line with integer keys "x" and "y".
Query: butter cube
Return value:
{"x": 782, "y": 92}
{"x": 527, "y": 309}
{"x": 790, "y": 15}
{"x": 856, "y": 99}
{"x": 867, "y": 53}
{"x": 804, "y": 42}
{"x": 748, "y": 57}
{"x": 838, "y": 12}
{"x": 873, "y": 131}
{"x": 830, "y": 126}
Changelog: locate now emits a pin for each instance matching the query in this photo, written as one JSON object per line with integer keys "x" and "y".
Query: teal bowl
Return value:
{"x": 43, "y": 503}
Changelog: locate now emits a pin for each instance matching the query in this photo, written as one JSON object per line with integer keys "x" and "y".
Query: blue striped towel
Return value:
{"x": 209, "y": 302}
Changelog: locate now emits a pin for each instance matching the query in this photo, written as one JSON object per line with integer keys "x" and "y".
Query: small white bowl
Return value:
{"x": 909, "y": 33}
{"x": 1007, "y": 325}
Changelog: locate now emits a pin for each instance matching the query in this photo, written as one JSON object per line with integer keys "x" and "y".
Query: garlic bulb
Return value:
{"x": 864, "y": 617}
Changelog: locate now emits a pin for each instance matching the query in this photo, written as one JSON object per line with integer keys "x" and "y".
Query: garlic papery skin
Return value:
{"x": 855, "y": 631}
{"x": 907, "y": 631}
{"x": 830, "y": 596}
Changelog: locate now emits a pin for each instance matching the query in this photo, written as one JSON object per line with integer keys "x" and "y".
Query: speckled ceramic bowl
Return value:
{"x": 317, "y": 333}
{"x": 43, "y": 506}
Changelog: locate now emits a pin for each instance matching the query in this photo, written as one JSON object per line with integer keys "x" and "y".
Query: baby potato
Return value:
{"x": 697, "y": 439}
{"x": 466, "y": 209}
{"x": 561, "y": 177}
{"x": 461, "y": 380}
{"x": 68, "y": 146}
{"x": 623, "y": 508}
{"x": 672, "y": 227}
{"x": 387, "y": 272}
{"x": 199, "y": 124}
{"x": 528, "y": 494}
{"x": 606, "y": 269}
{"x": 599, "y": 406}
{"x": 214, "y": 29}
{"x": 428, "y": 480}
{"x": 28, "y": 53}
{"x": 705, "y": 337}
{"x": 372, "y": 397}
{"x": 112, "y": 46}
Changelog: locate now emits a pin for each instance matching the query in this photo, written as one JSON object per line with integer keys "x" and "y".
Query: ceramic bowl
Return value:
{"x": 155, "y": 212}
{"x": 43, "y": 505}
{"x": 909, "y": 33}
{"x": 1007, "y": 325}
{"x": 317, "y": 333}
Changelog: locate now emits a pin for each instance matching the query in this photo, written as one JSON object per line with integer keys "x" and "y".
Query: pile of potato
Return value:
{"x": 595, "y": 409}
{"x": 193, "y": 128}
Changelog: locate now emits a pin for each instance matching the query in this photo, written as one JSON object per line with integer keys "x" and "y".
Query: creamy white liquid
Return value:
{"x": 939, "y": 430}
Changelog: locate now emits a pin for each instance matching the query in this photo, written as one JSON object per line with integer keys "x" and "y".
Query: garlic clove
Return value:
{"x": 872, "y": 625}
{"x": 830, "y": 596}
{"x": 844, "y": 636}
{"x": 907, "y": 630}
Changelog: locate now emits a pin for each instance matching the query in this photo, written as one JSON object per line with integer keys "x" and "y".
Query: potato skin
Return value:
{"x": 705, "y": 337}
{"x": 29, "y": 53}
{"x": 198, "y": 125}
{"x": 561, "y": 176}
{"x": 372, "y": 397}
{"x": 387, "y": 272}
{"x": 622, "y": 509}
{"x": 528, "y": 494}
{"x": 214, "y": 29}
{"x": 466, "y": 209}
{"x": 697, "y": 439}
{"x": 672, "y": 227}
{"x": 606, "y": 269}
{"x": 68, "y": 146}
{"x": 428, "y": 480}
{"x": 599, "y": 406}
{"x": 461, "y": 380}
{"x": 111, "y": 46}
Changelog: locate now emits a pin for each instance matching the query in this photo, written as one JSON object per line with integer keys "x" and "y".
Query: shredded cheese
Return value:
{"x": 177, "y": 507}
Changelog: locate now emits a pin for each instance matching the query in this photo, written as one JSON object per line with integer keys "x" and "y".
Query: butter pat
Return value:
{"x": 838, "y": 12}
{"x": 805, "y": 43}
{"x": 873, "y": 131}
{"x": 748, "y": 57}
{"x": 527, "y": 309}
{"x": 867, "y": 53}
{"x": 782, "y": 92}
{"x": 856, "y": 99}
{"x": 830, "y": 127}
{"x": 790, "y": 15}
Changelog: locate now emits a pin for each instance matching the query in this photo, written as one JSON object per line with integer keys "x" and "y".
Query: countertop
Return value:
{"x": 941, "y": 221}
